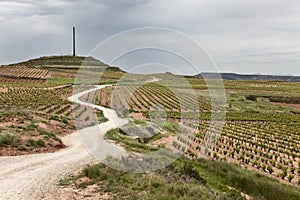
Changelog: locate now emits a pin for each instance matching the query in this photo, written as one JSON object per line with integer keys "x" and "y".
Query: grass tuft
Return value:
{"x": 8, "y": 139}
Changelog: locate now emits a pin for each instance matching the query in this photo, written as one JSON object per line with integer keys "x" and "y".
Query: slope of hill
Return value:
{"x": 66, "y": 62}
{"x": 56, "y": 70}
{"x": 258, "y": 134}
{"x": 234, "y": 76}
{"x": 33, "y": 99}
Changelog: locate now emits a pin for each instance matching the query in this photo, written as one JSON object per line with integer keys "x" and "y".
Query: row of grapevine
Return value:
{"x": 43, "y": 100}
{"x": 269, "y": 143}
{"x": 23, "y": 72}
{"x": 142, "y": 98}
{"x": 268, "y": 147}
{"x": 4, "y": 80}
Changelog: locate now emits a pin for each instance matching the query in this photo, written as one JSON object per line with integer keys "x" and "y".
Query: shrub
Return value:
{"x": 92, "y": 172}
{"x": 40, "y": 143}
{"x": 251, "y": 97}
{"x": 30, "y": 127}
{"x": 293, "y": 169}
{"x": 190, "y": 171}
{"x": 283, "y": 174}
{"x": 35, "y": 143}
{"x": 263, "y": 167}
{"x": 270, "y": 169}
{"x": 8, "y": 139}
{"x": 49, "y": 133}
{"x": 290, "y": 177}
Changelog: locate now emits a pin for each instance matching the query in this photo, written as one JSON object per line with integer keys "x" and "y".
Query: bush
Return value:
{"x": 35, "y": 143}
{"x": 290, "y": 177}
{"x": 49, "y": 134}
{"x": 40, "y": 143}
{"x": 92, "y": 172}
{"x": 251, "y": 97}
{"x": 30, "y": 127}
{"x": 270, "y": 169}
{"x": 190, "y": 171}
{"x": 8, "y": 139}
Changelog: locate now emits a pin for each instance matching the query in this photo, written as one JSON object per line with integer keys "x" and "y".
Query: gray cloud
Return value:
{"x": 241, "y": 36}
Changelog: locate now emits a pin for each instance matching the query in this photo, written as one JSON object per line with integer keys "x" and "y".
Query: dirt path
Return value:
{"x": 34, "y": 176}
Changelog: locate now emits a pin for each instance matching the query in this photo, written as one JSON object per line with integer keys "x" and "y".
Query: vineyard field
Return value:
{"x": 226, "y": 125}
{"x": 256, "y": 135}
{"x": 22, "y": 72}
{"x": 35, "y": 110}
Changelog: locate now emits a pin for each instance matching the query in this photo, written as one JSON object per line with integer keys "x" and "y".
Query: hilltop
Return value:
{"x": 61, "y": 60}
{"x": 56, "y": 70}
{"x": 65, "y": 61}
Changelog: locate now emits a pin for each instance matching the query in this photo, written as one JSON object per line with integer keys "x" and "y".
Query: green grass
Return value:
{"x": 140, "y": 122}
{"x": 219, "y": 174}
{"x": 8, "y": 139}
{"x": 48, "y": 134}
{"x": 6, "y": 112}
{"x": 58, "y": 81}
{"x": 157, "y": 137}
{"x": 100, "y": 116}
{"x": 172, "y": 127}
{"x": 35, "y": 143}
{"x": 30, "y": 127}
{"x": 186, "y": 179}
{"x": 170, "y": 183}
{"x": 256, "y": 102}
{"x": 129, "y": 143}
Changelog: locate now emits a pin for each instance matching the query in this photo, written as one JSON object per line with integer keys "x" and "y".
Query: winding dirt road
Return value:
{"x": 34, "y": 176}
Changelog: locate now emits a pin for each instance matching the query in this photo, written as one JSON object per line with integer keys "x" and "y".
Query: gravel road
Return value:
{"x": 34, "y": 176}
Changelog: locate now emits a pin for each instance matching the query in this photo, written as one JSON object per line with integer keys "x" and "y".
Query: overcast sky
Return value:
{"x": 257, "y": 36}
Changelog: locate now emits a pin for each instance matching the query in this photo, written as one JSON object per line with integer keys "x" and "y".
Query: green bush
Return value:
{"x": 8, "y": 139}
{"x": 127, "y": 142}
{"x": 270, "y": 169}
{"x": 30, "y": 127}
{"x": 290, "y": 177}
{"x": 190, "y": 171}
{"x": 48, "y": 133}
{"x": 92, "y": 172}
{"x": 95, "y": 172}
{"x": 35, "y": 143}
{"x": 40, "y": 143}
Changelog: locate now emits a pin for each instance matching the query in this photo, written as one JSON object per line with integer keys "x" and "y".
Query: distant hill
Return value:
{"x": 234, "y": 76}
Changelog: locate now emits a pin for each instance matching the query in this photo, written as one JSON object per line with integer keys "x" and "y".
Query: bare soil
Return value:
{"x": 12, "y": 125}
{"x": 296, "y": 106}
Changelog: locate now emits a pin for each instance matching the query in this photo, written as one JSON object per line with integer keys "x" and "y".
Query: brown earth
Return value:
{"x": 290, "y": 105}
{"x": 50, "y": 147}
{"x": 91, "y": 192}
{"x": 16, "y": 125}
